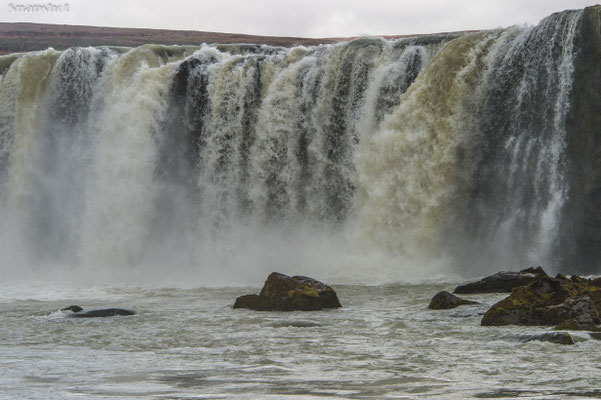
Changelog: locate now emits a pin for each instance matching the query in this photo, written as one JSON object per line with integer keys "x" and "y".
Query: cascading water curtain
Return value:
{"x": 442, "y": 147}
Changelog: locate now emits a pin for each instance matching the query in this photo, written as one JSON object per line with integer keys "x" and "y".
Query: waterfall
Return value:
{"x": 479, "y": 148}
{"x": 371, "y": 157}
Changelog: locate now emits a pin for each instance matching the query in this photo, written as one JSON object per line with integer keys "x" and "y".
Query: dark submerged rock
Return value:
{"x": 502, "y": 282}
{"x": 445, "y": 300}
{"x": 284, "y": 293}
{"x": 553, "y": 337}
{"x": 568, "y": 303}
{"x": 104, "y": 312}
{"x": 595, "y": 335}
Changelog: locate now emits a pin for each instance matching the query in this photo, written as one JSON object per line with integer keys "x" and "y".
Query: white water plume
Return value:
{"x": 371, "y": 160}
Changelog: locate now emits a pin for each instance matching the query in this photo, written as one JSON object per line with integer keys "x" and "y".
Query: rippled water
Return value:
{"x": 191, "y": 344}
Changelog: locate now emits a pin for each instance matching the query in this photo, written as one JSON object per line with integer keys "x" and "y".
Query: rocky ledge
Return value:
{"x": 284, "y": 293}
{"x": 502, "y": 282}
{"x": 566, "y": 303}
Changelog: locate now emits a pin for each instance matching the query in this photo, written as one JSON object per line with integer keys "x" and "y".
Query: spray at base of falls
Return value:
{"x": 373, "y": 160}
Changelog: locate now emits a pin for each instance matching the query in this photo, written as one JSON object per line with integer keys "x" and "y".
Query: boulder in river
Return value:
{"x": 79, "y": 312}
{"x": 285, "y": 293}
{"x": 445, "y": 300}
{"x": 549, "y": 301}
{"x": 502, "y": 282}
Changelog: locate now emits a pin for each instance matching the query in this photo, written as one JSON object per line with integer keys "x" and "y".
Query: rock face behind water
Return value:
{"x": 569, "y": 303}
{"x": 445, "y": 300}
{"x": 284, "y": 293}
{"x": 502, "y": 282}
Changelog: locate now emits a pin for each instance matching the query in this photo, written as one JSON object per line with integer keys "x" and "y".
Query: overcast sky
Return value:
{"x": 306, "y": 18}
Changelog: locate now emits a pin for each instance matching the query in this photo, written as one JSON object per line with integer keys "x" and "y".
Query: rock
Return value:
{"x": 284, "y": 293}
{"x": 253, "y": 302}
{"x": 445, "y": 300}
{"x": 534, "y": 270}
{"x": 581, "y": 323}
{"x": 78, "y": 312}
{"x": 553, "y": 337}
{"x": 580, "y": 215}
{"x": 576, "y": 279}
{"x": 595, "y": 335}
{"x": 548, "y": 301}
{"x": 502, "y": 282}
{"x": 581, "y": 311}
{"x": 73, "y": 308}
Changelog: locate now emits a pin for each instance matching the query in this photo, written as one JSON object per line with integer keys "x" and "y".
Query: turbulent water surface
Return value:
{"x": 191, "y": 344}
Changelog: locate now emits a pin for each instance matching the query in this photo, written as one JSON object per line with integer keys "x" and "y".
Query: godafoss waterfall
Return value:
{"x": 162, "y": 178}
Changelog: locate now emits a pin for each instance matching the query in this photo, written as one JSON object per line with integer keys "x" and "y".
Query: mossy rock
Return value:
{"x": 445, "y": 300}
{"x": 577, "y": 324}
{"x": 284, "y": 293}
{"x": 547, "y": 301}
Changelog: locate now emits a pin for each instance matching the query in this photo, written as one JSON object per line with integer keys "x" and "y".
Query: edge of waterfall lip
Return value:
{"x": 30, "y": 36}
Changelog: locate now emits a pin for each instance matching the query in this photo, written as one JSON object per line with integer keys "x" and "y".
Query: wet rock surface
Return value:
{"x": 552, "y": 337}
{"x": 567, "y": 303}
{"x": 502, "y": 282}
{"x": 79, "y": 312}
{"x": 445, "y": 300}
{"x": 284, "y": 293}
